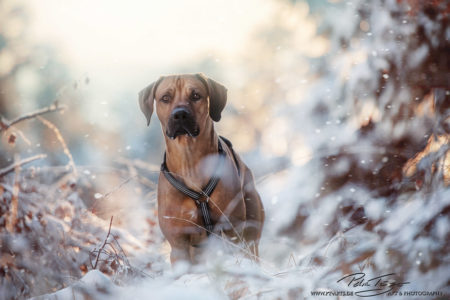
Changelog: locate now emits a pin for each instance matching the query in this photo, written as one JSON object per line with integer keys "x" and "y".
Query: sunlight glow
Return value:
{"x": 142, "y": 33}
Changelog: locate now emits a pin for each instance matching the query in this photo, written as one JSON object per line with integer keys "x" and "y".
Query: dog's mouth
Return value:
{"x": 183, "y": 130}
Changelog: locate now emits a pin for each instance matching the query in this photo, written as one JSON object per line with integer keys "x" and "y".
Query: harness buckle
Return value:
{"x": 203, "y": 198}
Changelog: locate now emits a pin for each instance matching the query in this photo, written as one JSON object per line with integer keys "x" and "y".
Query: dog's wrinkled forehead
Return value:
{"x": 176, "y": 83}
{"x": 180, "y": 86}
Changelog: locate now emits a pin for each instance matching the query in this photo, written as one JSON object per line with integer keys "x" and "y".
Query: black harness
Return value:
{"x": 202, "y": 198}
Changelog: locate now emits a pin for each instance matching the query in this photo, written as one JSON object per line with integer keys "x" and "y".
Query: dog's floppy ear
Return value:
{"x": 217, "y": 97}
{"x": 146, "y": 99}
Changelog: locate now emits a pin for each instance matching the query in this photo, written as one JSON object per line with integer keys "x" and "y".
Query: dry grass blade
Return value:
{"x": 119, "y": 186}
{"x": 60, "y": 138}
{"x": 225, "y": 240}
{"x": 105, "y": 196}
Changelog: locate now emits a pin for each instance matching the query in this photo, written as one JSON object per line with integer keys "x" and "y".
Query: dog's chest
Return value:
{"x": 193, "y": 214}
{"x": 224, "y": 214}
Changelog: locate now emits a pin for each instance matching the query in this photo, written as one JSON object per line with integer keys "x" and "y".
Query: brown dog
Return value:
{"x": 186, "y": 106}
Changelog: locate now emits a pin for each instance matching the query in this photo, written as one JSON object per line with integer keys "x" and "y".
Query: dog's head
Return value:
{"x": 184, "y": 103}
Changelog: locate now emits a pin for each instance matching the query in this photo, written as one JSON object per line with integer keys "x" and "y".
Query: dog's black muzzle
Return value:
{"x": 182, "y": 122}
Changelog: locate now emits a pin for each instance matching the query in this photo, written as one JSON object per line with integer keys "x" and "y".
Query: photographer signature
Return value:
{"x": 372, "y": 286}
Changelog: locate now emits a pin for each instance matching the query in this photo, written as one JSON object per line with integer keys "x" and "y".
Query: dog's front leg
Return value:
{"x": 180, "y": 250}
{"x": 254, "y": 212}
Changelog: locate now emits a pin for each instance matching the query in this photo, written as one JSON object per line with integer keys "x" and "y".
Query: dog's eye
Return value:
{"x": 195, "y": 96}
{"x": 165, "y": 98}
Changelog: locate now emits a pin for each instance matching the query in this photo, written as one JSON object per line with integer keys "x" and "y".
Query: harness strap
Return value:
{"x": 205, "y": 193}
{"x": 230, "y": 145}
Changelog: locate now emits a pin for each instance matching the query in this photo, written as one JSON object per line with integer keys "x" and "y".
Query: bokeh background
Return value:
{"x": 341, "y": 109}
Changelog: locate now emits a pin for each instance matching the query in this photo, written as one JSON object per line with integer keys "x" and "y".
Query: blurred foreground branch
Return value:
{"x": 4, "y": 124}
{"x": 16, "y": 164}
{"x": 11, "y": 223}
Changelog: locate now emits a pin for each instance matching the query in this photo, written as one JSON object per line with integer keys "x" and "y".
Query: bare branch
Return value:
{"x": 104, "y": 244}
{"x": 16, "y": 164}
{"x": 90, "y": 260}
{"x": 4, "y": 124}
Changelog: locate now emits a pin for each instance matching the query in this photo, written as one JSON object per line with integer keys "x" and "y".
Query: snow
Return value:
{"x": 94, "y": 284}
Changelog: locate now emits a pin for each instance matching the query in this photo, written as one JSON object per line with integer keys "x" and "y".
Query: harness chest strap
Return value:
{"x": 201, "y": 198}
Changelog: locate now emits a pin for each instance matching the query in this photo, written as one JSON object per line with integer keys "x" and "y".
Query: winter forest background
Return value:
{"x": 340, "y": 108}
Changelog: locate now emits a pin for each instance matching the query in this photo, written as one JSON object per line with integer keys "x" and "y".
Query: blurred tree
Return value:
{"x": 12, "y": 56}
{"x": 275, "y": 75}
{"x": 390, "y": 73}
{"x": 30, "y": 78}
{"x": 378, "y": 124}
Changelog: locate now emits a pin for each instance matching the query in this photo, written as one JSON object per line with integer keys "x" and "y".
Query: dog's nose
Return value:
{"x": 180, "y": 114}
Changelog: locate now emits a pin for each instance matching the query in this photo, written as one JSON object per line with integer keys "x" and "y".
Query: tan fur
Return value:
{"x": 235, "y": 196}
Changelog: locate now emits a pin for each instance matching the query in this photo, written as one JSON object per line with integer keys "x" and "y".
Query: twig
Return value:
{"x": 105, "y": 196}
{"x": 104, "y": 244}
{"x": 22, "y": 135}
{"x": 138, "y": 164}
{"x": 4, "y": 124}
{"x": 121, "y": 250}
{"x": 11, "y": 167}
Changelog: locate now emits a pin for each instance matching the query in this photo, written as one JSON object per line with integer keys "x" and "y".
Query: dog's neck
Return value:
{"x": 185, "y": 157}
